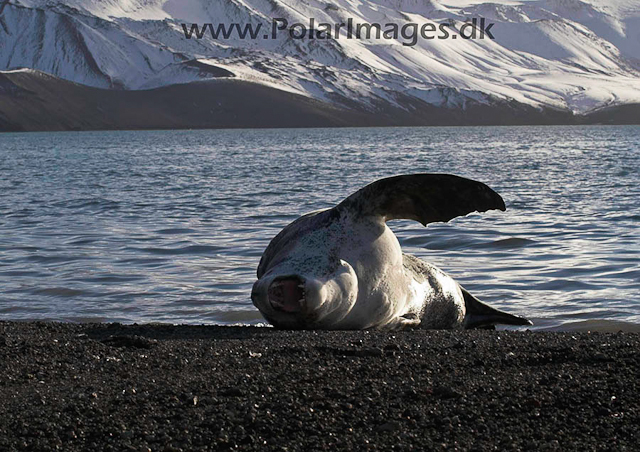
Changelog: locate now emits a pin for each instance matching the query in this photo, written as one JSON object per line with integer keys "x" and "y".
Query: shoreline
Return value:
{"x": 162, "y": 387}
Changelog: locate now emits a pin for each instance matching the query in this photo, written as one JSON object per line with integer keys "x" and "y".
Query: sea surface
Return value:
{"x": 169, "y": 226}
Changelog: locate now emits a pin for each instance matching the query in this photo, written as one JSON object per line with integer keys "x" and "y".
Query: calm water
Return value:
{"x": 169, "y": 226}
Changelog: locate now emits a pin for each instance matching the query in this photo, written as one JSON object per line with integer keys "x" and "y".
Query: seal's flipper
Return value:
{"x": 480, "y": 315}
{"x": 426, "y": 198}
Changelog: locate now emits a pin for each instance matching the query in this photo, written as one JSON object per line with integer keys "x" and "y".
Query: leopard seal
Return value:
{"x": 343, "y": 268}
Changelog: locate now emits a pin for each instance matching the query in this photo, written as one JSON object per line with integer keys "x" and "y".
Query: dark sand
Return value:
{"x": 156, "y": 387}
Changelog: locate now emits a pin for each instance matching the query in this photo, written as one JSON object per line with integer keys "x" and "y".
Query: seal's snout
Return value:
{"x": 287, "y": 294}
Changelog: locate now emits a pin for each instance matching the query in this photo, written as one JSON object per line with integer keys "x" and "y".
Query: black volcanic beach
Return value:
{"x": 157, "y": 387}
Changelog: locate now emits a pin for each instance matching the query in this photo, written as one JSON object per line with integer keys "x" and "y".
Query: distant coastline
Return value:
{"x": 35, "y": 101}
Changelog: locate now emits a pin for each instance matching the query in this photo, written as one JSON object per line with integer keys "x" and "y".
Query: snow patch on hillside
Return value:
{"x": 569, "y": 54}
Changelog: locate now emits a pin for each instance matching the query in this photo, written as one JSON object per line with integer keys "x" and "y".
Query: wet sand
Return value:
{"x": 169, "y": 388}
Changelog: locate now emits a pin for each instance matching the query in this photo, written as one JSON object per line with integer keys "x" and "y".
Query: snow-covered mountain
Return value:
{"x": 562, "y": 54}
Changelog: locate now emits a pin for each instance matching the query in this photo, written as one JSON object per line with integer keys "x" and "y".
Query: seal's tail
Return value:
{"x": 481, "y": 315}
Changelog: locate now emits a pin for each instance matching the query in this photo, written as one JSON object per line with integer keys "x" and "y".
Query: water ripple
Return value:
{"x": 170, "y": 226}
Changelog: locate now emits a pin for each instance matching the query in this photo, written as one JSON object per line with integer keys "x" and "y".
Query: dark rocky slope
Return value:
{"x": 34, "y": 101}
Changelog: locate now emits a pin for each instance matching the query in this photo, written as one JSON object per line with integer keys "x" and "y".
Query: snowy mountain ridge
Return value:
{"x": 576, "y": 55}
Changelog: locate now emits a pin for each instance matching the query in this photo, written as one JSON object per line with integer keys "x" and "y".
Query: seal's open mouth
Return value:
{"x": 287, "y": 294}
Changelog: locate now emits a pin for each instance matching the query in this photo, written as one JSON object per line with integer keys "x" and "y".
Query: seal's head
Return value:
{"x": 295, "y": 301}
